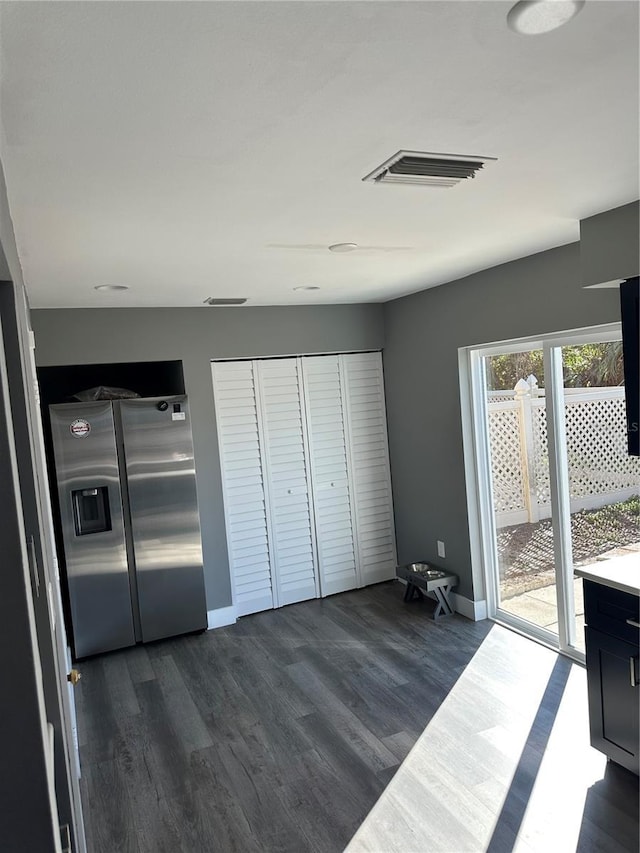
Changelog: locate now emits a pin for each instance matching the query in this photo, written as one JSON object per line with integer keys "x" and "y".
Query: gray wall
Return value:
{"x": 538, "y": 294}
{"x": 609, "y": 244}
{"x": 5, "y": 275}
{"x": 196, "y": 336}
{"x": 421, "y": 336}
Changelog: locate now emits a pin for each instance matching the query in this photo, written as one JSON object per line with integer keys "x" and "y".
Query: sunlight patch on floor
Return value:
{"x": 569, "y": 768}
{"x": 450, "y": 790}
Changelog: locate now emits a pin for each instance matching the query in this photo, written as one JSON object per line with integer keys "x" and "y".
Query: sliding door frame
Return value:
{"x": 482, "y": 529}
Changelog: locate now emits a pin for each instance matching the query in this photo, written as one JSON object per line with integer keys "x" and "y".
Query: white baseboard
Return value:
{"x": 221, "y": 617}
{"x": 474, "y": 610}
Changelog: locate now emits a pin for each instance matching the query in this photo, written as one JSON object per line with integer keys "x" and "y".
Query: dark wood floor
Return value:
{"x": 282, "y": 732}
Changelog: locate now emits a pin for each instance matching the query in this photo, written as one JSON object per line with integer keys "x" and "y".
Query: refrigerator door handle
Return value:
{"x": 33, "y": 565}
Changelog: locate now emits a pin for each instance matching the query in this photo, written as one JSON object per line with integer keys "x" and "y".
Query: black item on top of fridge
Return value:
{"x": 104, "y": 392}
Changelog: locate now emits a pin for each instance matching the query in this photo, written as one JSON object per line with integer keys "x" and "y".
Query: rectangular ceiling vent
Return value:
{"x": 212, "y": 300}
{"x": 430, "y": 170}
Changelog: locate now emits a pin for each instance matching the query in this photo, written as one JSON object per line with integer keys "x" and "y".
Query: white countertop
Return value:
{"x": 621, "y": 573}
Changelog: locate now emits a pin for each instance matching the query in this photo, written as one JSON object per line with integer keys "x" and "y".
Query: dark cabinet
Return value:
{"x": 613, "y": 673}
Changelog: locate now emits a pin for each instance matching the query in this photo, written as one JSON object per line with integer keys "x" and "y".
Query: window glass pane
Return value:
{"x": 521, "y": 502}
{"x": 603, "y": 479}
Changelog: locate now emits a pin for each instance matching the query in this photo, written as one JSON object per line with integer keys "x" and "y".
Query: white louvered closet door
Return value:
{"x": 366, "y": 422}
{"x": 329, "y": 474}
{"x": 246, "y": 513}
{"x": 285, "y": 460}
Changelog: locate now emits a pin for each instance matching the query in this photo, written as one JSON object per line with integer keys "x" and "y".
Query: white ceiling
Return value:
{"x": 177, "y": 147}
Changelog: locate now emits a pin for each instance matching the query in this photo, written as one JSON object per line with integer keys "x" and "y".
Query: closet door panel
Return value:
{"x": 243, "y": 486}
{"x": 370, "y": 475}
{"x": 286, "y": 468}
{"x": 304, "y": 456}
{"x": 329, "y": 472}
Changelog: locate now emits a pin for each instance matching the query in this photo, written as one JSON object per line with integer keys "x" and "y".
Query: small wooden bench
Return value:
{"x": 423, "y": 577}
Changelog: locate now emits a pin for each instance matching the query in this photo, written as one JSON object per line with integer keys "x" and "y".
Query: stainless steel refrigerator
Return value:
{"x": 130, "y": 524}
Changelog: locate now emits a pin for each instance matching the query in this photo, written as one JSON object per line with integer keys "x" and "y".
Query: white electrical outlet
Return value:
{"x": 440, "y": 549}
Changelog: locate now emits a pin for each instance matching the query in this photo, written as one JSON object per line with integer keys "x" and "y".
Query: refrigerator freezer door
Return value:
{"x": 165, "y": 524}
{"x": 92, "y": 526}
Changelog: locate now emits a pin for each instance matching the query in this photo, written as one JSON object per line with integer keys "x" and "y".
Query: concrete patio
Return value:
{"x": 539, "y": 606}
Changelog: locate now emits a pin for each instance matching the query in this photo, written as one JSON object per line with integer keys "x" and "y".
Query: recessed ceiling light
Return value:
{"x": 112, "y": 287}
{"x": 534, "y": 17}
{"x": 307, "y": 287}
{"x": 343, "y": 247}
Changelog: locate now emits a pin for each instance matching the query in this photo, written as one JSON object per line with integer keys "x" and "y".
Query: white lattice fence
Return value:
{"x": 600, "y": 471}
{"x": 540, "y": 461}
{"x": 597, "y": 449}
{"x": 506, "y": 457}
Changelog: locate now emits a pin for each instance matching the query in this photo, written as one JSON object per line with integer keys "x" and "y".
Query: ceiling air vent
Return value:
{"x": 430, "y": 170}
{"x": 212, "y": 300}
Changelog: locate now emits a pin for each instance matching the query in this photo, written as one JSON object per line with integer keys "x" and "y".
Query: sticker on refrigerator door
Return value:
{"x": 178, "y": 416}
{"x": 80, "y": 428}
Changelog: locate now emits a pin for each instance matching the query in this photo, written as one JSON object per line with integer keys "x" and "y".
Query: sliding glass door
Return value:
{"x": 555, "y": 486}
{"x": 602, "y": 480}
{"x": 524, "y": 577}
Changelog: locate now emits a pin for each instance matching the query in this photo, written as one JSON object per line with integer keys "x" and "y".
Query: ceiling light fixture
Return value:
{"x": 343, "y": 247}
{"x": 307, "y": 287}
{"x": 534, "y": 17}
{"x": 111, "y": 287}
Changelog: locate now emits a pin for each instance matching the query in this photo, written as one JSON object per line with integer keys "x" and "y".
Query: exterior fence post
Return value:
{"x": 522, "y": 394}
